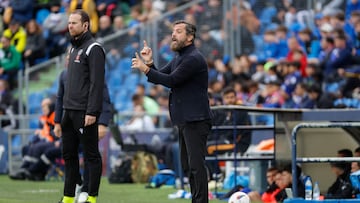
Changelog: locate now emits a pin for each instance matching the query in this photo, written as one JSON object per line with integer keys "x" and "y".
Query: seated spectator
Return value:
{"x": 313, "y": 75}
{"x": 281, "y": 33}
{"x": 298, "y": 98}
{"x": 292, "y": 78}
{"x": 35, "y": 43}
{"x": 55, "y": 25}
{"x": 287, "y": 181}
{"x": 17, "y": 35}
{"x": 272, "y": 177}
{"x": 271, "y": 48}
{"x": 340, "y": 58}
{"x": 105, "y": 7}
{"x": 271, "y": 96}
{"x": 150, "y": 104}
{"x": 22, "y": 10}
{"x": 314, "y": 94}
{"x": 309, "y": 43}
{"x": 10, "y": 60}
{"x": 45, "y": 131}
{"x": 341, "y": 188}
{"x": 293, "y": 54}
{"x": 37, "y": 161}
{"x": 140, "y": 121}
{"x": 207, "y": 44}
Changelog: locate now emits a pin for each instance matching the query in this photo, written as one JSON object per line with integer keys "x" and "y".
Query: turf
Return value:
{"x": 51, "y": 191}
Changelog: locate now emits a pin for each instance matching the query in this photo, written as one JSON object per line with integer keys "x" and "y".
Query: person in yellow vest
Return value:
{"x": 17, "y": 35}
{"x": 89, "y": 6}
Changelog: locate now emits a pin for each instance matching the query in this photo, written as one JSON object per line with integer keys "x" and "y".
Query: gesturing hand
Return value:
{"x": 138, "y": 63}
{"x": 146, "y": 53}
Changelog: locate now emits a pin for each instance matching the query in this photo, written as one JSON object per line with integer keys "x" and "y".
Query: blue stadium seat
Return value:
{"x": 41, "y": 15}
{"x": 267, "y": 14}
{"x": 34, "y": 102}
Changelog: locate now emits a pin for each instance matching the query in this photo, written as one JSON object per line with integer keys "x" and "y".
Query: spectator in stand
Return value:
{"x": 356, "y": 41}
{"x": 259, "y": 74}
{"x": 270, "y": 51}
{"x": 165, "y": 52}
{"x": 105, "y": 7}
{"x": 10, "y": 60}
{"x": 271, "y": 95}
{"x": 119, "y": 23}
{"x": 35, "y": 43}
{"x": 46, "y": 123}
{"x": 313, "y": 75}
{"x": 135, "y": 15}
{"x": 55, "y": 25}
{"x": 270, "y": 72}
{"x": 355, "y": 17}
{"x": 314, "y": 93}
{"x": 272, "y": 176}
{"x": 207, "y": 44}
{"x": 309, "y": 43}
{"x": 340, "y": 58}
{"x": 344, "y": 153}
{"x": 139, "y": 122}
{"x": 338, "y": 22}
{"x": 149, "y": 12}
{"x": 212, "y": 15}
{"x": 341, "y": 188}
{"x": 292, "y": 78}
{"x": 326, "y": 30}
{"x": 294, "y": 48}
{"x": 89, "y": 6}
{"x": 16, "y": 33}
{"x": 298, "y": 98}
{"x": 281, "y": 33}
{"x": 22, "y": 10}
{"x": 351, "y": 6}
{"x": 111, "y": 47}
{"x": 150, "y": 104}
{"x": 253, "y": 93}
{"x": 287, "y": 181}
{"x": 106, "y": 29}
{"x": 327, "y": 48}
{"x": 241, "y": 91}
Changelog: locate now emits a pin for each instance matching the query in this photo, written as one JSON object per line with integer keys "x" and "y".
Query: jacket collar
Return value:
{"x": 187, "y": 49}
{"x": 81, "y": 39}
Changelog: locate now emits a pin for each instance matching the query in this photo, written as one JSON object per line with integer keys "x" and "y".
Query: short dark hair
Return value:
{"x": 228, "y": 90}
{"x": 84, "y": 16}
{"x": 190, "y": 28}
{"x": 345, "y": 152}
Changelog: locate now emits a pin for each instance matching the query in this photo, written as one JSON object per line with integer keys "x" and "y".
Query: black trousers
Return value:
{"x": 192, "y": 142}
{"x": 74, "y": 133}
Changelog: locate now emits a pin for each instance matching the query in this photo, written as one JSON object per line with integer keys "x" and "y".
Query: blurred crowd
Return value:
{"x": 289, "y": 54}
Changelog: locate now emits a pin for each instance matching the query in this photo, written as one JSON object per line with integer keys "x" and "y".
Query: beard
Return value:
{"x": 177, "y": 45}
